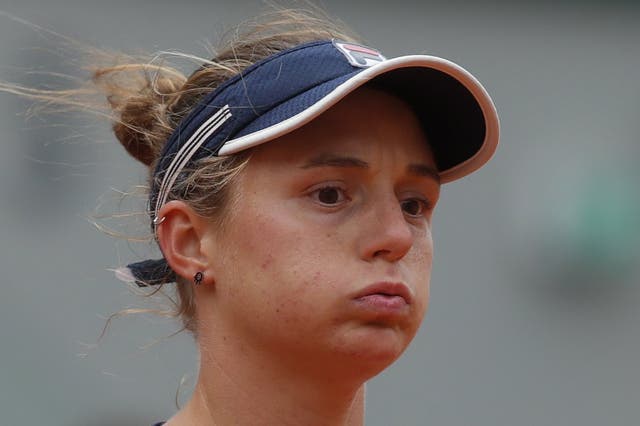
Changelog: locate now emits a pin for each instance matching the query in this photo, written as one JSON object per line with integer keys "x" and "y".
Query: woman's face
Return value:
{"x": 325, "y": 257}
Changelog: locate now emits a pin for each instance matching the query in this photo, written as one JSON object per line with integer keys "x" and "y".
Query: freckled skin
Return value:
{"x": 287, "y": 267}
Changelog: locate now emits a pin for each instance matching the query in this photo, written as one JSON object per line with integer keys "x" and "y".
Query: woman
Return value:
{"x": 293, "y": 181}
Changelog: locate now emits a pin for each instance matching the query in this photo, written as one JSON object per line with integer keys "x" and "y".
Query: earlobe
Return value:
{"x": 180, "y": 238}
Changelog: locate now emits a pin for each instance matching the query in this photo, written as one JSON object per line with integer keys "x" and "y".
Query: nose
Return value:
{"x": 385, "y": 232}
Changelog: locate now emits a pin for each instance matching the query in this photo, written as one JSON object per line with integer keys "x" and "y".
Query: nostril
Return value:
{"x": 381, "y": 253}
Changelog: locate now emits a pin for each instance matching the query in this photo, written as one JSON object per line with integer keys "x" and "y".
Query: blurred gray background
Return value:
{"x": 535, "y": 310}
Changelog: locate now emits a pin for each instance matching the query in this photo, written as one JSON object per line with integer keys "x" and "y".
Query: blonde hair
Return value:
{"x": 147, "y": 99}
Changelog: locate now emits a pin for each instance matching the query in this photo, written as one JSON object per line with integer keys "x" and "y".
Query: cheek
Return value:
{"x": 420, "y": 262}
{"x": 279, "y": 266}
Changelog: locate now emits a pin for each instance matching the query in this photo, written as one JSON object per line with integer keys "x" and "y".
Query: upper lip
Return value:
{"x": 388, "y": 288}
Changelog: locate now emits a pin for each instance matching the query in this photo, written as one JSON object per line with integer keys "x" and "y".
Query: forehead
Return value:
{"x": 368, "y": 123}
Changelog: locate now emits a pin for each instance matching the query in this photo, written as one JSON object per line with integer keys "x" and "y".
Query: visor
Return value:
{"x": 291, "y": 88}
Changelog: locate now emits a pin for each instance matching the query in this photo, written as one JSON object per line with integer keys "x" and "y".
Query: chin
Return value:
{"x": 372, "y": 348}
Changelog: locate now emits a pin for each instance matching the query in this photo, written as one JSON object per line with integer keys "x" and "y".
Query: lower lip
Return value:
{"x": 383, "y": 302}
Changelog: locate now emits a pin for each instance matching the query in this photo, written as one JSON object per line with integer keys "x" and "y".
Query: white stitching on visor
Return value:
{"x": 184, "y": 155}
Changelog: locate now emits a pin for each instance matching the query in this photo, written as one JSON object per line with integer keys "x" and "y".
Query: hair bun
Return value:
{"x": 139, "y": 95}
{"x": 135, "y": 129}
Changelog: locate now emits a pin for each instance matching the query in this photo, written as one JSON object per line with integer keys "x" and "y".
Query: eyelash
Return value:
{"x": 425, "y": 206}
{"x": 315, "y": 194}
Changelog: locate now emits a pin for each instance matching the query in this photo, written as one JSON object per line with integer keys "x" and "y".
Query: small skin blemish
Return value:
{"x": 266, "y": 263}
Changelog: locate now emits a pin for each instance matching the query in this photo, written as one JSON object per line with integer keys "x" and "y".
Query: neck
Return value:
{"x": 249, "y": 390}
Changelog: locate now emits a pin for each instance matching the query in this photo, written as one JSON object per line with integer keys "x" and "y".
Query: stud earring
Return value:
{"x": 197, "y": 278}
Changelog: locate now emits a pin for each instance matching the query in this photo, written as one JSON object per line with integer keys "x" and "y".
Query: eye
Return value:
{"x": 414, "y": 207}
{"x": 329, "y": 195}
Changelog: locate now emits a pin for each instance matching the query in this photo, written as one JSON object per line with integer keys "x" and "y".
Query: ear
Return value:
{"x": 180, "y": 235}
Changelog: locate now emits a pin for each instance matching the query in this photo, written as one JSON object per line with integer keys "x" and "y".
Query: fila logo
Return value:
{"x": 358, "y": 55}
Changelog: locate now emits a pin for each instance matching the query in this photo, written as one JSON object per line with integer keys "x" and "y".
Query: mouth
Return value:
{"x": 385, "y": 295}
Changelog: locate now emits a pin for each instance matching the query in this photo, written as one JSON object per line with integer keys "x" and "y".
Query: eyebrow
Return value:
{"x": 332, "y": 160}
{"x": 423, "y": 170}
